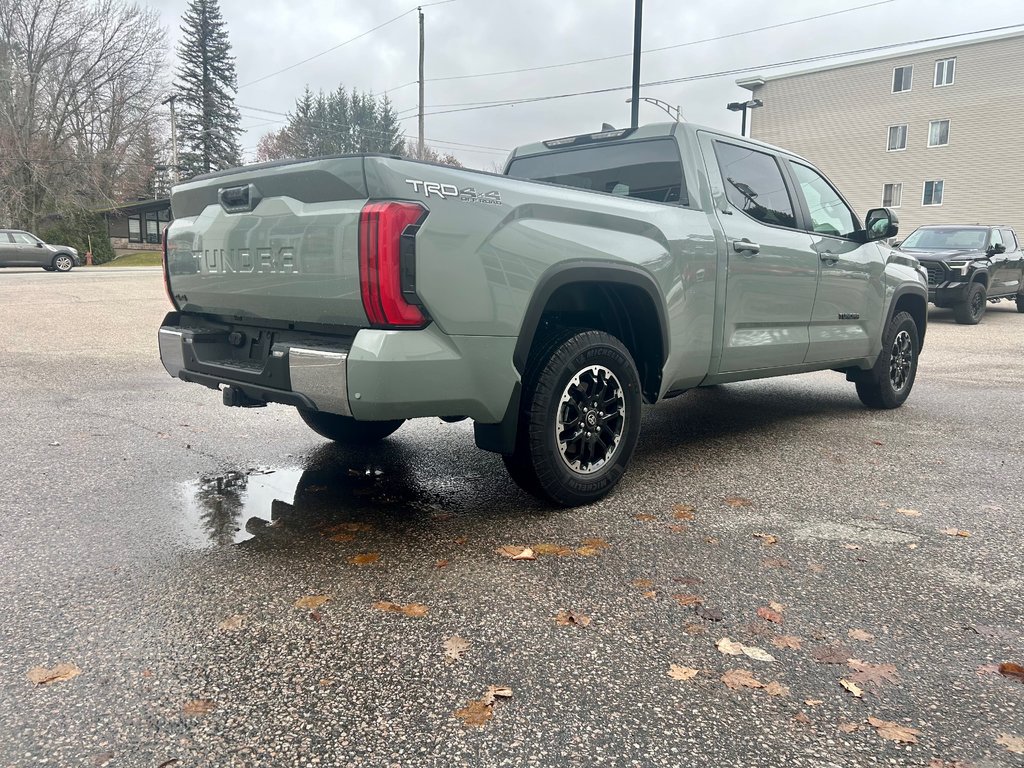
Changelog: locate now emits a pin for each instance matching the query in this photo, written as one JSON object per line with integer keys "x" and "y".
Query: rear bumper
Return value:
{"x": 375, "y": 375}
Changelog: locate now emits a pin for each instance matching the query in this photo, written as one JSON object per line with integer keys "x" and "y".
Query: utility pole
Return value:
{"x": 638, "y": 16}
{"x": 420, "y": 156}
{"x": 174, "y": 138}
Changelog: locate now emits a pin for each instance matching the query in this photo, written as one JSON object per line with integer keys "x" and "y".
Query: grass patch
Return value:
{"x": 137, "y": 259}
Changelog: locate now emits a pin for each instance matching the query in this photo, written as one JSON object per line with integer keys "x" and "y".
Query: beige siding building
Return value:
{"x": 936, "y": 133}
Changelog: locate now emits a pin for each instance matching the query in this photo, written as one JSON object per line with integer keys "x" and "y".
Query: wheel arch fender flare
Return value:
{"x": 920, "y": 297}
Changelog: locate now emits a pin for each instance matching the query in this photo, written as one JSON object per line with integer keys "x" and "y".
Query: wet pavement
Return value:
{"x": 159, "y": 542}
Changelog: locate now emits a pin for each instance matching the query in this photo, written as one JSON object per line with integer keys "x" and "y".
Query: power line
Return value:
{"x": 339, "y": 45}
{"x": 472, "y": 106}
{"x": 663, "y": 48}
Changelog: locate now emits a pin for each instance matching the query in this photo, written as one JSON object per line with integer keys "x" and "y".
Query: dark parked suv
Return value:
{"x": 969, "y": 265}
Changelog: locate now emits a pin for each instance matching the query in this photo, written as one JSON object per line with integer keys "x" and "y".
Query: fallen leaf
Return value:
{"x": 908, "y": 512}
{"x": 849, "y": 727}
{"x": 442, "y": 563}
{"x": 790, "y": 642}
{"x": 690, "y": 581}
{"x": 996, "y": 633}
{"x": 728, "y": 647}
{"x": 853, "y": 688}
{"x": 860, "y": 634}
{"x": 310, "y": 602}
{"x": 777, "y": 607}
{"x": 364, "y": 558}
{"x": 454, "y": 647}
{"x": 769, "y": 615}
{"x": 767, "y": 538}
{"x": 868, "y": 674}
{"x": 476, "y": 713}
{"x": 516, "y": 553}
{"x": 315, "y": 615}
{"x": 677, "y": 528}
{"x": 851, "y": 546}
{"x": 832, "y": 654}
{"x": 758, "y": 654}
{"x": 58, "y": 673}
{"x": 686, "y": 600}
{"x": 955, "y": 532}
{"x": 775, "y": 688}
{"x": 342, "y": 537}
{"x": 232, "y": 623}
{"x": 877, "y": 442}
{"x": 709, "y": 614}
{"x": 683, "y": 511}
{"x": 815, "y": 567}
{"x": 198, "y": 707}
{"x": 738, "y": 501}
{"x": 586, "y": 551}
{"x": 644, "y": 517}
{"x": 595, "y": 543}
{"x": 776, "y": 562}
{"x": 412, "y": 610}
{"x": 735, "y": 679}
{"x": 1010, "y": 669}
{"x": 677, "y": 672}
{"x": 565, "y": 618}
{"x": 643, "y": 583}
{"x": 494, "y": 692}
{"x": 813, "y": 702}
{"x": 552, "y": 549}
{"x": 695, "y": 629}
{"x": 1012, "y": 743}
{"x": 802, "y": 718}
{"x": 650, "y": 594}
{"x": 894, "y": 731}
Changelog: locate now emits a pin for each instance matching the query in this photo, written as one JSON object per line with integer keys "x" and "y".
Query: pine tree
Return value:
{"x": 209, "y": 122}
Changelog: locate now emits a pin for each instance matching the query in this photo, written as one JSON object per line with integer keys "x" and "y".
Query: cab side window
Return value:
{"x": 1009, "y": 240}
{"x": 754, "y": 184}
{"x": 829, "y": 214}
{"x": 22, "y": 239}
{"x": 995, "y": 239}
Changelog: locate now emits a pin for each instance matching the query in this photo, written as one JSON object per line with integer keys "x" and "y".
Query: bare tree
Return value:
{"x": 80, "y": 87}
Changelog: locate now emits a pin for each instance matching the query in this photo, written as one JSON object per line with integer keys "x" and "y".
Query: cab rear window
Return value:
{"x": 647, "y": 170}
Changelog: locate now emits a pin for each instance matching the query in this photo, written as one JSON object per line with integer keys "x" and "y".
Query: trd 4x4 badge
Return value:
{"x": 446, "y": 191}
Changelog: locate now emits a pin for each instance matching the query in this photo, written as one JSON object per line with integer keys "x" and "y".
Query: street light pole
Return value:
{"x": 174, "y": 138}
{"x": 673, "y": 112}
{"x": 743, "y": 106}
{"x": 638, "y": 16}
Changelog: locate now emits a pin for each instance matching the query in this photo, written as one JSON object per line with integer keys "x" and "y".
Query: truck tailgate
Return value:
{"x": 273, "y": 242}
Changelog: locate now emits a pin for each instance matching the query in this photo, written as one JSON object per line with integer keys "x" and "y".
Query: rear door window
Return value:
{"x": 754, "y": 184}
{"x": 647, "y": 170}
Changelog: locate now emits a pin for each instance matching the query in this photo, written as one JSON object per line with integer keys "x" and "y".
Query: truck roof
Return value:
{"x": 649, "y": 131}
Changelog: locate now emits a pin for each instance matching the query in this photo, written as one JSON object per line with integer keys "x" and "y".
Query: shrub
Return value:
{"x": 74, "y": 229}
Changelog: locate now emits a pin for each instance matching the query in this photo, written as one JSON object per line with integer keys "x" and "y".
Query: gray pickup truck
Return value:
{"x": 600, "y": 272}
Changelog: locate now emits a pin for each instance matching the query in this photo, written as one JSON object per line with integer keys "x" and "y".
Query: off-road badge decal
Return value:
{"x": 450, "y": 191}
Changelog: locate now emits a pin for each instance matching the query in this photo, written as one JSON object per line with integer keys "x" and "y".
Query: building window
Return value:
{"x": 134, "y": 229}
{"x": 944, "y": 72}
{"x": 932, "y": 193}
{"x": 897, "y": 137}
{"x": 938, "y": 133}
{"x": 902, "y": 78}
{"x": 892, "y": 195}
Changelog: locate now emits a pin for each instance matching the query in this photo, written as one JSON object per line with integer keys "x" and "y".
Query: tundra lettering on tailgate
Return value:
{"x": 226, "y": 261}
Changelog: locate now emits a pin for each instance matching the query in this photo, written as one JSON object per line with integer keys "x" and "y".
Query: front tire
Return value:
{"x": 1020, "y": 302}
{"x": 62, "y": 262}
{"x": 888, "y": 384}
{"x": 579, "y": 418}
{"x": 346, "y": 430}
{"x": 972, "y": 308}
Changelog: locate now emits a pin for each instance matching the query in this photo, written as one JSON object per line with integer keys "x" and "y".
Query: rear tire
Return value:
{"x": 346, "y": 430}
{"x": 1020, "y": 302}
{"x": 579, "y": 418}
{"x": 972, "y": 308}
{"x": 888, "y": 384}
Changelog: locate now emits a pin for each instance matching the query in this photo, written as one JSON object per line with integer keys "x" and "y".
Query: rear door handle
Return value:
{"x": 746, "y": 247}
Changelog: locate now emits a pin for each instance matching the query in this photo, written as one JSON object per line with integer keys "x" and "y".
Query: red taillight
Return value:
{"x": 380, "y": 264}
{"x": 167, "y": 274}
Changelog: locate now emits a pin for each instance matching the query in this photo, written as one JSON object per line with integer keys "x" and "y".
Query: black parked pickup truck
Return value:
{"x": 969, "y": 265}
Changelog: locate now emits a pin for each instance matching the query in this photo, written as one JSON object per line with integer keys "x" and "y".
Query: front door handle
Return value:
{"x": 828, "y": 256}
{"x": 745, "y": 247}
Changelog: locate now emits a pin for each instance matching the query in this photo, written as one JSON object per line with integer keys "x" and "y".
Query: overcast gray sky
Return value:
{"x": 471, "y": 37}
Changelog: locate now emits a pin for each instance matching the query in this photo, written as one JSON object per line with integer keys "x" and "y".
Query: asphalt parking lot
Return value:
{"x": 159, "y": 542}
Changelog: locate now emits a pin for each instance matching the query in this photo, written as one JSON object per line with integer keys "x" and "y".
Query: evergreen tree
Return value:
{"x": 209, "y": 124}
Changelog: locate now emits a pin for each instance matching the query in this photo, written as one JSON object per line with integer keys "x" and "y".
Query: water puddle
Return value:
{"x": 219, "y": 508}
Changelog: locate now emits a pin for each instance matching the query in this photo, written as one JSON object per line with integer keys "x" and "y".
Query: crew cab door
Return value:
{"x": 847, "y": 315}
{"x": 771, "y": 268}
{"x": 1014, "y": 262}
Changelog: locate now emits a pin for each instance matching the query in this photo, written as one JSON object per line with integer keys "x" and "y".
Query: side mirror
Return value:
{"x": 881, "y": 223}
{"x": 39, "y": 245}
{"x": 997, "y": 248}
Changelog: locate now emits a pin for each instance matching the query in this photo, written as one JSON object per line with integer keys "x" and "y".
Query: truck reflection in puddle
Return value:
{"x": 274, "y": 504}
